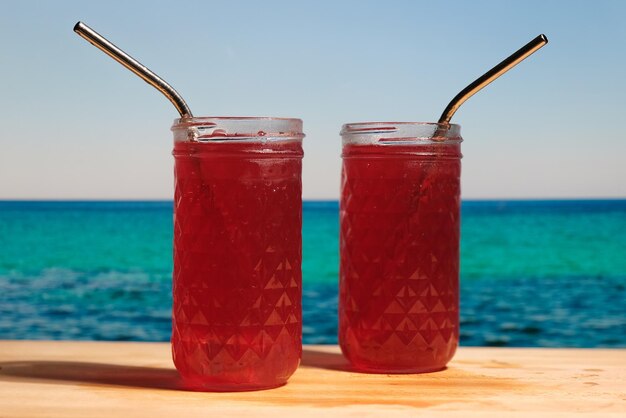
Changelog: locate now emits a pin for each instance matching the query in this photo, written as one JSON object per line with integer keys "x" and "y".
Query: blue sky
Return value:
{"x": 78, "y": 125}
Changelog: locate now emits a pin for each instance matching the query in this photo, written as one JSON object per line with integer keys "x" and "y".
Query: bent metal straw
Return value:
{"x": 510, "y": 62}
{"x": 135, "y": 66}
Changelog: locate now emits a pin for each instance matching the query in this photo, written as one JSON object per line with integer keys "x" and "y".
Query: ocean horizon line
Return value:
{"x": 468, "y": 200}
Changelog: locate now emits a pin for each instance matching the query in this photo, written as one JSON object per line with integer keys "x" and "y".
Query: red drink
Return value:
{"x": 237, "y": 317}
{"x": 399, "y": 289}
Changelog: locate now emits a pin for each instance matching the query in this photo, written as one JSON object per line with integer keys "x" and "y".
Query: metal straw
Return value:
{"x": 510, "y": 62}
{"x": 135, "y": 66}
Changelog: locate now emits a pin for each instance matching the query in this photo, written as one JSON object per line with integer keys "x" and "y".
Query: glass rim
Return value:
{"x": 240, "y": 128}
{"x": 366, "y": 126}
{"x": 194, "y": 119}
{"x": 400, "y": 133}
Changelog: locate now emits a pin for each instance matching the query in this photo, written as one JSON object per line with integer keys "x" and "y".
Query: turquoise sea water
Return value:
{"x": 533, "y": 273}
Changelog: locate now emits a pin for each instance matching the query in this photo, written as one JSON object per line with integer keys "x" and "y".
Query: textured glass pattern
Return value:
{"x": 399, "y": 306}
{"x": 237, "y": 319}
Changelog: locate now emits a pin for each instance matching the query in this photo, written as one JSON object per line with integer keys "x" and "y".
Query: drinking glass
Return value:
{"x": 237, "y": 315}
{"x": 399, "y": 245}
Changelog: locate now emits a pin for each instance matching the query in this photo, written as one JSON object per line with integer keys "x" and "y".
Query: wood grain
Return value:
{"x": 104, "y": 379}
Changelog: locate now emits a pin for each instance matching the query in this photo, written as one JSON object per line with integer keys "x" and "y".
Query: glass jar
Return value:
{"x": 399, "y": 245}
{"x": 237, "y": 315}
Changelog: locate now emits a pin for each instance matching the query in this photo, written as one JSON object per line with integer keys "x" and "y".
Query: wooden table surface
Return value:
{"x": 107, "y": 379}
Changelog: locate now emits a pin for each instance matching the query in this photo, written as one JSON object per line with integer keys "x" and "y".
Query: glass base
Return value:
{"x": 195, "y": 386}
{"x": 391, "y": 370}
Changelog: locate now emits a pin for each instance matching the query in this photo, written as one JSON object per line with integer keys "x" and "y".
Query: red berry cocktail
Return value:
{"x": 400, "y": 218}
{"x": 237, "y": 316}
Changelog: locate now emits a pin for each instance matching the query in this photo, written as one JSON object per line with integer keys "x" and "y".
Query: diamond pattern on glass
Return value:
{"x": 399, "y": 261}
{"x": 237, "y": 270}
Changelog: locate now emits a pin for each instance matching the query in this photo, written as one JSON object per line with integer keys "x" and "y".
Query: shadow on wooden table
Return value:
{"x": 321, "y": 359}
{"x": 73, "y": 372}
{"x": 96, "y": 373}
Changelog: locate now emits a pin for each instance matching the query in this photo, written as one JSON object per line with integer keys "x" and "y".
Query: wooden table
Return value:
{"x": 107, "y": 379}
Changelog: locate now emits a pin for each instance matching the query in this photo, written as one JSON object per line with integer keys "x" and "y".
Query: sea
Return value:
{"x": 533, "y": 273}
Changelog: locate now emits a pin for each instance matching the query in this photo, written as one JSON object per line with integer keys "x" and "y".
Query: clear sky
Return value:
{"x": 75, "y": 124}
